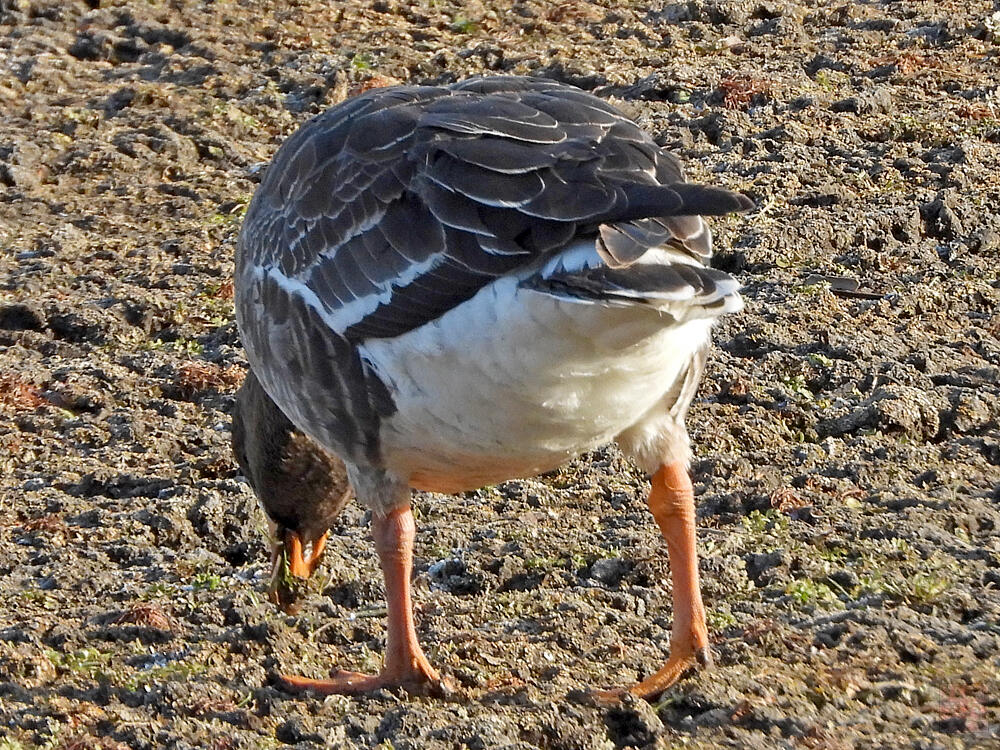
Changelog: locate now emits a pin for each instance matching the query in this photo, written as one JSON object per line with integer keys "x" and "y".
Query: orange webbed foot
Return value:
{"x": 681, "y": 662}
{"x": 421, "y": 680}
{"x": 671, "y": 501}
{"x": 405, "y": 665}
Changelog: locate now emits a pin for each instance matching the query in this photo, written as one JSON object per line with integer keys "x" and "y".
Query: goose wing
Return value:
{"x": 389, "y": 210}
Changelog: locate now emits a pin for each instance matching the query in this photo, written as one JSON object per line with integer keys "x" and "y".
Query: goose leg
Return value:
{"x": 671, "y": 501}
{"x": 405, "y": 664}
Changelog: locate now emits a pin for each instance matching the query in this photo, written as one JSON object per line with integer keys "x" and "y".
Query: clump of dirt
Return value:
{"x": 847, "y": 444}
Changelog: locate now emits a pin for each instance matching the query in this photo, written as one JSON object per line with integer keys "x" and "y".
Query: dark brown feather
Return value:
{"x": 301, "y": 487}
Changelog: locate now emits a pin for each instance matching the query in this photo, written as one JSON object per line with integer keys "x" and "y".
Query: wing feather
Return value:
{"x": 402, "y": 203}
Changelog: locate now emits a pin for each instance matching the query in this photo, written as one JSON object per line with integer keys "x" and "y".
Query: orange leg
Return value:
{"x": 405, "y": 664}
{"x": 671, "y": 501}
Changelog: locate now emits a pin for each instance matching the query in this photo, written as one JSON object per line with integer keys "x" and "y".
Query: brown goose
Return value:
{"x": 301, "y": 487}
{"x": 448, "y": 287}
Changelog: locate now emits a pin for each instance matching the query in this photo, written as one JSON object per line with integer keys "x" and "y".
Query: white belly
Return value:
{"x": 515, "y": 382}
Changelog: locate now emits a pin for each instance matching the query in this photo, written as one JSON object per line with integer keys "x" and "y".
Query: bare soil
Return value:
{"x": 847, "y": 449}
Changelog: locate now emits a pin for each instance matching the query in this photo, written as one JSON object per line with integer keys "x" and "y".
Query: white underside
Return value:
{"x": 515, "y": 382}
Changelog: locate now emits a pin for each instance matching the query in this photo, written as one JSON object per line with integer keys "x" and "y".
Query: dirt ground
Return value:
{"x": 847, "y": 459}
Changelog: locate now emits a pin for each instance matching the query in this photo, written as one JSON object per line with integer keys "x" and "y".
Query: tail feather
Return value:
{"x": 680, "y": 199}
{"x": 681, "y": 289}
{"x": 658, "y": 215}
{"x": 653, "y": 251}
{"x": 623, "y": 244}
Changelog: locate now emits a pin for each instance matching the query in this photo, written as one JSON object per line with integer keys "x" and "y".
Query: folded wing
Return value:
{"x": 399, "y": 205}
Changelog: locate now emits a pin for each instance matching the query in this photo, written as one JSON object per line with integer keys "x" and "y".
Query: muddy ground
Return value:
{"x": 847, "y": 456}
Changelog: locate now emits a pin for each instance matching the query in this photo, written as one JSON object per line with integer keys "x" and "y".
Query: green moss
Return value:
{"x": 158, "y": 590}
{"x": 206, "y": 582}
{"x": 811, "y": 290}
{"x": 720, "y": 620}
{"x": 179, "y": 671}
{"x": 927, "y": 588}
{"x": 464, "y": 25}
{"x": 795, "y": 384}
{"x": 88, "y": 663}
{"x": 362, "y": 61}
{"x": 190, "y": 347}
{"x": 769, "y": 522}
{"x": 543, "y": 563}
{"x": 808, "y": 591}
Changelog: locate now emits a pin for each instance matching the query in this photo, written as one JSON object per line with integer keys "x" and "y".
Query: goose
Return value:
{"x": 301, "y": 488}
{"x": 447, "y": 287}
